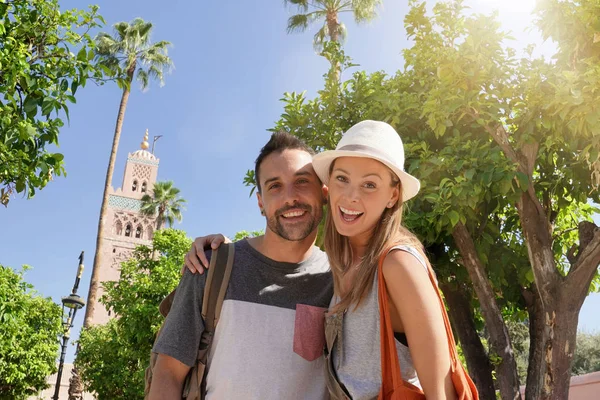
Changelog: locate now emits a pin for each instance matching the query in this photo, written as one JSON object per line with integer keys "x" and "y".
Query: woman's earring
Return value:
{"x": 262, "y": 212}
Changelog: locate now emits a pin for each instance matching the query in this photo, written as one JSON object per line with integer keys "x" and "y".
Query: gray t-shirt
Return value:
{"x": 357, "y": 361}
{"x": 269, "y": 340}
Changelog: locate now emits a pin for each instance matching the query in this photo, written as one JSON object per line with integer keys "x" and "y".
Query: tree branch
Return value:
{"x": 534, "y": 219}
{"x": 587, "y": 260}
{"x": 20, "y": 91}
{"x": 499, "y": 338}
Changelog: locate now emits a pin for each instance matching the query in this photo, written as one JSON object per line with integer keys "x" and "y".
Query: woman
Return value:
{"x": 367, "y": 188}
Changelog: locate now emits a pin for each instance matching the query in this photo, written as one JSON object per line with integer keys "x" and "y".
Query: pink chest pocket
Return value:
{"x": 309, "y": 331}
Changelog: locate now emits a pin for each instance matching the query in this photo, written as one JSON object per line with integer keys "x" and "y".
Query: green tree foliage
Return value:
{"x": 112, "y": 357}
{"x": 29, "y": 330}
{"x": 245, "y": 234}
{"x": 46, "y": 54}
{"x": 164, "y": 203}
{"x": 474, "y": 90}
{"x": 506, "y": 155}
{"x": 587, "y": 354}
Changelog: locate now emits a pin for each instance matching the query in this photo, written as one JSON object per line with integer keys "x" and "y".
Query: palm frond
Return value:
{"x": 106, "y": 45}
{"x": 325, "y": 5}
{"x": 157, "y": 74}
{"x": 159, "y": 60}
{"x": 148, "y": 207}
{"x": 163, "y": 45}
{"x": 297, "y": 23}
{"x": 142, "y": 78}
{"x": 142, "y": 30}
{"x": 104, "y": 40}
{"x": 121, "y": 29}
{"x": 136, "y": 40}
{"x": 174, "y": 191}
{"x": 130, "y": 46}
{"x": 109, "y": 61}
{"x": 176, "y": 211}
{"x": 302, "y": 5}
{"x": 342, "y": 32}
{"x": 320, "y": 37}
{"x": 365, "y": 10}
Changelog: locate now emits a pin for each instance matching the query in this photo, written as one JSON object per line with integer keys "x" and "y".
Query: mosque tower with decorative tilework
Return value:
{"x": 125, "y": 227}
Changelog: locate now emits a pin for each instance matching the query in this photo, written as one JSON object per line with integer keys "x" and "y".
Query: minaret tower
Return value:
{"x": 125, "y": 226}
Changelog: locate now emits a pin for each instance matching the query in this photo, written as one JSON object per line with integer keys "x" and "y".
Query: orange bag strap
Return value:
{"x": 390, "y": 365}
{"x": 391, "y": 377}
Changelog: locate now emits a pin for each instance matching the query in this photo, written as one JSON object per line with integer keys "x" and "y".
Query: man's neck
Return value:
{"x": 279, "y": 249}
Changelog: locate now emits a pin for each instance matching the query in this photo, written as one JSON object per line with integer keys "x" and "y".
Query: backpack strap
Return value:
{"x": 217, "y": 281}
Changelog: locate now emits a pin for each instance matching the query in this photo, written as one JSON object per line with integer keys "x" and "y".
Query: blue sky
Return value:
{"x": 233, "y": 62}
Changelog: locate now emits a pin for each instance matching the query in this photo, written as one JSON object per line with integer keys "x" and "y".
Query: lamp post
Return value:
{"x": 154, "y": 139}
{"x": 73, "y": 302}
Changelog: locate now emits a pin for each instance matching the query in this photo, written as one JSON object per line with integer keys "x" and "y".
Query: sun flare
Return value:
{"x": 521, "y": 6}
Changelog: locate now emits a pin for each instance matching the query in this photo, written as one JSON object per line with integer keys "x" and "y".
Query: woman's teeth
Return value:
{"x": 349, "y": 215}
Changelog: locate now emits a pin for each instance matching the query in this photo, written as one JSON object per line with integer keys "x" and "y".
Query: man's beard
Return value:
{"x": 301, "y": 230}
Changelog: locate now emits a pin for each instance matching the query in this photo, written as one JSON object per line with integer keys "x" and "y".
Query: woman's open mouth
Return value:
{"x": 349, "y": 215}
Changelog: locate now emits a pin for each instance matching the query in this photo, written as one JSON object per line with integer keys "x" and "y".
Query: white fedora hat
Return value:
{"x": 371, "y": 139}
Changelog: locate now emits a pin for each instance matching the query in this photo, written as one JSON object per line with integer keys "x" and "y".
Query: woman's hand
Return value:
{"x": 195, "y": 260}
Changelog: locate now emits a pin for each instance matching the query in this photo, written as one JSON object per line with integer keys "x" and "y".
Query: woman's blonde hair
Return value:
{"x": 388, "y": 231}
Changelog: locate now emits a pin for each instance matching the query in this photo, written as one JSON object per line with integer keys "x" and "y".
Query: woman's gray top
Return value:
{"x": 357, "y": 358}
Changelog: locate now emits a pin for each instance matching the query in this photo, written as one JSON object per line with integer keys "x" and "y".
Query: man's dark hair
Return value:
{"x": 279, "y": 142}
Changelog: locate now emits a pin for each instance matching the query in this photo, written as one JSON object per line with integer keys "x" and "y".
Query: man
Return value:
{"x": 269, "y": 339}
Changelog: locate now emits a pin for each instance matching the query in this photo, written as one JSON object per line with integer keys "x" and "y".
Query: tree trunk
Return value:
{"x": 553, "y": 348}
{"x": 461, "y": 317}
{"x": 508, "y": 379}
{"x": 561, "y": 328}
{"x": 94, "y": 281}
{"x": 535, "y": 374}
{"x": 159, "y": 219}
{"x": 561, "y": 297}
{"x": 75, "y": 385}
{"x": 332, "y": 25}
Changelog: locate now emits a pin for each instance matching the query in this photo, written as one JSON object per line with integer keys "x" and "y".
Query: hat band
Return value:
{"x": 372, "y": 151}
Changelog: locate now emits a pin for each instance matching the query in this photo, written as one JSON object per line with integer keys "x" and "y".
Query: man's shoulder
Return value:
{"x": 191, "y": 281}
{"x": 319, "y": 263}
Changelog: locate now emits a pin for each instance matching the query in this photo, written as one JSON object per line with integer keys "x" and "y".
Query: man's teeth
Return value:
{"x": 350, "y": 212}
{"x": 293, "y": 214}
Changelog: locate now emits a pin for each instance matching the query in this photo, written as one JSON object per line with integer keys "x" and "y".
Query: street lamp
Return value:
{"x": 154, "y": 139}
{"x": 72, "y": 302}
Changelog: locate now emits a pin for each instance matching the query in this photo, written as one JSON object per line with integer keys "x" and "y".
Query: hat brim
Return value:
{"x": 322, "y": 163}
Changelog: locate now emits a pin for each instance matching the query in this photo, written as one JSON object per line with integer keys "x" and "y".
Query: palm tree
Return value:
{"x": 129, "y": 52}
{"x": 329, "y": 11}
{"x": 164, "y": 202}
